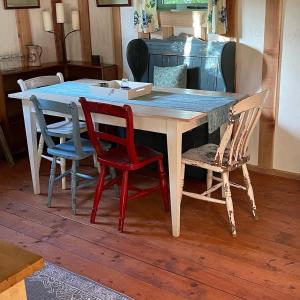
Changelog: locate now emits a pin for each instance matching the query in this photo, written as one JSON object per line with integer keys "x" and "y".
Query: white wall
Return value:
{"x": 8, "y": 32}
{"x": 249, "y": 57}
{"x": 101, "y": 32}
{"x": 73, "y": 44}
{"x": 128, "y": 34}
{"x": 9, "y": 43}
{"x": 39, "y": 36}
{"x": 287, "y": 134}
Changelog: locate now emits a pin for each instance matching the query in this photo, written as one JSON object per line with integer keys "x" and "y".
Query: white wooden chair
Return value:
{"x": 62, "y": 129}
{"x": 228, "y": 156}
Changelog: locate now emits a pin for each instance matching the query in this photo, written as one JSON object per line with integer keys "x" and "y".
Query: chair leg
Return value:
{"x": 182, "y": 180}
{"x": 40, "y": 150}
{"x": 98, "y": 167}
{"x": 113, "y": 174}
{"x": 249, "y": 190}
{"x": 123, "y": 200}
{"x": 5, "y": 148}
{"x": 223, "y": 192}
{"x": 95, "y": 161}
{"x": 209, "y": 180}
{"x": 51, "y": 180}
{"x": 73, "y": 185}
{"x": 229, "y": 205}
{"x": 163, "y": 185}
{"x": 63, "y": 167}
{"x": 98, "y": 193}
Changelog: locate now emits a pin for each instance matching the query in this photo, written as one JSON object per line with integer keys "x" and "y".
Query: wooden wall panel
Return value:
{"x": 183, "y": 19}
{"x": 85, "y": 30}
{"x": 232, "y": 14}
{"x": 58, "y": 34}
{"x": 142, "y": 35}
{"x": 270, "y": 81}
{"x": 24, "y": 30}
{"x": 117, "y": 40}
{"x": 167, "y": 32}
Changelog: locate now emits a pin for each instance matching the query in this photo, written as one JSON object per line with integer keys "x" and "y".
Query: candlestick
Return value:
{"x": 60, "y": 14}
{"x": 47, "y": 20}
{"x": 75, "y": 20}
{"x": 60, "y": 18}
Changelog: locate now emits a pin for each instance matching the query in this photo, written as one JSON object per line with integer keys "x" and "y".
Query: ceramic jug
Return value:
{"x": 34, "y": 55}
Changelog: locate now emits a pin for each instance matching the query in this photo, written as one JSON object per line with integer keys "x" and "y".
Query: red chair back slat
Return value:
{"x": 123, "y": 112}
{"x": 111, "y": 138}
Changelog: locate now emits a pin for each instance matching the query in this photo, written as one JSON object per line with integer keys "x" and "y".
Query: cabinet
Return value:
{"x": 77, "y": 70}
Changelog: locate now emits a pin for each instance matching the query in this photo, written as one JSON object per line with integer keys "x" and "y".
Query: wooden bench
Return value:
{"x": 15, "y": 265}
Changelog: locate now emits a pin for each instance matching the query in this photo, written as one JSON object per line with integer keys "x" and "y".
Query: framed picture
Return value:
{"x": 16, "y": 4}
{"x": 110, "y": 3}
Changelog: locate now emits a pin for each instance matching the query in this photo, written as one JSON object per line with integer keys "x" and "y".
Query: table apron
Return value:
{"x": 153, "y": 124}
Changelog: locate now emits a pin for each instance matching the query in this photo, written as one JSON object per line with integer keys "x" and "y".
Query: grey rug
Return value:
{"x": 53, "y": 283}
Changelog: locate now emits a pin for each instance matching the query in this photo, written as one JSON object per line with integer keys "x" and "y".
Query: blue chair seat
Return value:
{"x": 67, "y": 150}
{"x": 64, "y": 128}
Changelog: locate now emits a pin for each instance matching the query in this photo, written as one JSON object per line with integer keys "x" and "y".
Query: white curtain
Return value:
{"x": 217, "y": 17}
{"x": 145, "y": 16}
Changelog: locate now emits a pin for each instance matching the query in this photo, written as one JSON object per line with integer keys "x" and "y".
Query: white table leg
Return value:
{"x": 31, "y": 136}
{"x": 174, "y": 139}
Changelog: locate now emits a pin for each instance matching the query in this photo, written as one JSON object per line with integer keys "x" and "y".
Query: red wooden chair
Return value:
{"x": 125, "y": 157}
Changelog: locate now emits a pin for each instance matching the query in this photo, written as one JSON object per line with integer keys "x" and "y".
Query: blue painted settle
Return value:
{"x": 211, "y": 66}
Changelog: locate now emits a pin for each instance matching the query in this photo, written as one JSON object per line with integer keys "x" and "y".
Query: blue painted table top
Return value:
{"x": 217, "y": 108}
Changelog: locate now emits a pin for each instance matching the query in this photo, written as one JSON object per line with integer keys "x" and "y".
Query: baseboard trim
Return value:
{"x": 274, "y": 172}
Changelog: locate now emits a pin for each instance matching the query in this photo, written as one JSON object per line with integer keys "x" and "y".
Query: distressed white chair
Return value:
{"x": 62, "y": 129}
{"x": 228, "y": 156}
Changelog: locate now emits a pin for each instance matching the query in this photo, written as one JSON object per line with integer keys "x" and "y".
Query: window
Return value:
{"x": 181, "y": 4}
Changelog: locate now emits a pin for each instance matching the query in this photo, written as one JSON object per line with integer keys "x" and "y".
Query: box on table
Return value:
{"x": 114, "y": 89}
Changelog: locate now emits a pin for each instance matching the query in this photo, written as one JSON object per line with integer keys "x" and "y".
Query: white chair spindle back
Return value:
{"x": 243, "y": 118}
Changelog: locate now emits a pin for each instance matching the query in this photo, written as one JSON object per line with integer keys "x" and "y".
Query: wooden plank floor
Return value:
{"x": 146, "y": 262}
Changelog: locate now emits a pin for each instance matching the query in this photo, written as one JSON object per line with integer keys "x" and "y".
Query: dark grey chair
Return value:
{"x": 137, "y": 57}
{"x": 74, "y": 149}
{"x": 5, "y": 148}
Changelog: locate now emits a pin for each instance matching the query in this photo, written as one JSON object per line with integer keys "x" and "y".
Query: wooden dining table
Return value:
{"x": 172, "y": 122}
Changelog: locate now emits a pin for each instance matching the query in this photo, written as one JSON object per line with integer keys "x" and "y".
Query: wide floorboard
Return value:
{"x": 146, "y": 262}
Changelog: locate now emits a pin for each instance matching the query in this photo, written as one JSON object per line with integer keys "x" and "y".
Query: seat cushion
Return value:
{"x": 118, "y": 158}
{"x": 170, "y": 77}
{"x": 205, "y": 154}
{"x": 64, "y": 128}
{"x": 67, "y": 150}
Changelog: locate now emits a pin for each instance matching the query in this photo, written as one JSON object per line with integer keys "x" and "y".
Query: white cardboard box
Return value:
{"x": 114, "y": 89}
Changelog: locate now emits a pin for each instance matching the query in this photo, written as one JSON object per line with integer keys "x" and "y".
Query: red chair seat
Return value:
{"x": 118, "y": 158}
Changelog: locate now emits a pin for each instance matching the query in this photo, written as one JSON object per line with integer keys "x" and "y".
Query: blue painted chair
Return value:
{"x": 62, "y": 129}
{"x": 75, "y": 149}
